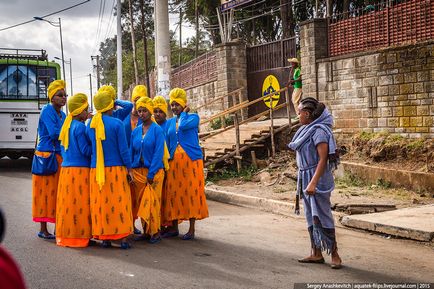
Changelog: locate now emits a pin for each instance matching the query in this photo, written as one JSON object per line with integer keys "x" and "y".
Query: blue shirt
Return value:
{"x": 50, "y": 124}
{"x": 164, "y": 127}
{"x": 148, "y": 151}
{"x": 128, "y": 128}
{"x": 79, "y": 150}
{"x": 187, "y": 135}
{"x": 123, "y": 112}
{"x": 115, "y": 146}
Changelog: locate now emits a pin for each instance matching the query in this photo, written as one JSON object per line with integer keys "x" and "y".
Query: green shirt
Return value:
{"x": 297, "y": 73}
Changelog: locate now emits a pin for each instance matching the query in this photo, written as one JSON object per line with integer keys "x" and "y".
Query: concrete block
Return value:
{"x": 406, "y": 88}
{"x": 416, "y": 121}
{"x": 382, "y": 90}
{"x": 410, "y": 77}
{"x": 423, "y": 110}
{"x": 397, "y": 111}
{"x": 410, "y": 111}
{"x": 385, "y": 80}
{"x": 393, "y": 122}
{"x": 404, "y": 121}
{"x": 398, "y": 79}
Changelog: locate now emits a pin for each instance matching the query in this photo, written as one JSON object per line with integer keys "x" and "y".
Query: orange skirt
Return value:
{"x": 185, "y": 189}
{"x": 44, "y": 193}
{"x": 73, "y": 227}
{"x": 148, "y": 206}
{"x": 110, "y": 207}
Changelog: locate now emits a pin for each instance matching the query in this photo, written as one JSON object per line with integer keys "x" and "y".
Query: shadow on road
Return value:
{"x": 10, "y": 167}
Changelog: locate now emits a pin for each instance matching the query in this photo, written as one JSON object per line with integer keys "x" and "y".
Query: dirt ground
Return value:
{"x": 278, "y": 181}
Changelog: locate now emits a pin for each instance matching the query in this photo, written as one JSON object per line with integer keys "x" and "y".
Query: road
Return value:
{"x": 235, "y": 248}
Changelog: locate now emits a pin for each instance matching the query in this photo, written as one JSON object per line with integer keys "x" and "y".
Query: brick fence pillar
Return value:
{"x": 313, "y": 46}
{"x": 231, "y": 68}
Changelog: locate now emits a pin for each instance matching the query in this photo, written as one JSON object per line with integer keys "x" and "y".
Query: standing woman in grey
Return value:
{"x": 316, "y": 157}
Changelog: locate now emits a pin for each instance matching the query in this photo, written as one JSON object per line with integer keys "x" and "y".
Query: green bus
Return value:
{"x": 24, "y": 77}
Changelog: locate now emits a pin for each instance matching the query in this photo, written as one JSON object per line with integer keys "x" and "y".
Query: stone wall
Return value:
{"x": 231, "y": 75}
{"x": 384, "y": 90}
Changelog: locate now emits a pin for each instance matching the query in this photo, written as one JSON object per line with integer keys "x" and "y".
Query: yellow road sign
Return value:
{"x": 271, "y": 84}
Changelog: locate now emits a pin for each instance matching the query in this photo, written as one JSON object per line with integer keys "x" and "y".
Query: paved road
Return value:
{"x": 235, "y": 248}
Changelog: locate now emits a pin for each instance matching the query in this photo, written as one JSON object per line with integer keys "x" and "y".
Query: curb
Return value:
{"x": 263, "y": 204}
{"x": 287, "y": 209}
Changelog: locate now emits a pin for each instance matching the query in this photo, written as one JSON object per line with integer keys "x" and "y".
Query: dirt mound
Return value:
{"x": 393, "y": 150}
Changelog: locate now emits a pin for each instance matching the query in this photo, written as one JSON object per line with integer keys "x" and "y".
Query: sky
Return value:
{"x": 80, "y": 28}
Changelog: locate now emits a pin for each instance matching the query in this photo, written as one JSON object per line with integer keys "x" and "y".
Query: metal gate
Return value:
{"x": 264, "y": 60}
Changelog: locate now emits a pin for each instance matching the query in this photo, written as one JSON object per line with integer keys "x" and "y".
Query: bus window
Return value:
{"x": 12, "y": 81}
{"x": 3, "y": 81}
{"x": 32, "y": 82}
{"x": 21, "y": 79}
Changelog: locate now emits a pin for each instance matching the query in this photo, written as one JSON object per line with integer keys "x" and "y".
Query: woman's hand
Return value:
{"x": 130, "y": 177}
{"x": 310, "y": 189}
{"x": 186, "y": 109}
{"x": 150, "y": 181}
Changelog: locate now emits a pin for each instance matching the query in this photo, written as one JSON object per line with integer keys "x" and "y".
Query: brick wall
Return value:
{"x": 384, "y": 90}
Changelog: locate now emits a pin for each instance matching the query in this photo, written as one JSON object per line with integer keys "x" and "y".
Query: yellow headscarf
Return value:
{"x": 138, "y": 92}
{"x": 147, "y": 103}
{"x": 110, "y": 89}
{"x": 54, "y": 87}
{"x": 103, "y": 102}
{"x": 76, "y": 105}
{"x": 160, "y": 102}
{"x": 178, "y": 95}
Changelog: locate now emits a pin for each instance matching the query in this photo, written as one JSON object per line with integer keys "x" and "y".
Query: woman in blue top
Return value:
{"x": 125, "y": 106}
{"x": 185, "y": 186}
{"x": 147, "y": 150}
{"x": 316, "y": 158}
{"x": 73, "y": 226}
{"x": 110, "y": 196}
{"x": 44, "y": 188}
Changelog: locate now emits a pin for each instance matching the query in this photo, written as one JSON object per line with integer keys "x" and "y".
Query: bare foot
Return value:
{"x": 312, "y": 259}
{"x": 336, "y": 261}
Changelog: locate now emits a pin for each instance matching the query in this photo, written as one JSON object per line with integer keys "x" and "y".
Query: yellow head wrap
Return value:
{"x": 54, "y": 87}
{"x": 179, "y": 96}
{"x": 110, "y": 89}
{"x": 160, "y": 102}
{"x": 103, "y": 102}
{"x": 145, "y": 102}
{"x": 76, "y": 105}
{"x": 138, "y": 92}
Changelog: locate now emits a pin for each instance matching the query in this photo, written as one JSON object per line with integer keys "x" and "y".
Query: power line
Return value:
{"x": 19, "y": 24}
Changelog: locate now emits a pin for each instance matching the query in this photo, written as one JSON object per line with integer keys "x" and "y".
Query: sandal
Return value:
{"x": 143, "y": 237}
{"x": 170, "y": 234}
{"x": 125, "y": 245}
{"x": 137, "y": 231}
{"x": 312, "y": 261}
{"x": 154, "y": 240}
{"x": 47, "y": 237}
{"x": 188, "y": 236}
{"x": 106, "y": 244}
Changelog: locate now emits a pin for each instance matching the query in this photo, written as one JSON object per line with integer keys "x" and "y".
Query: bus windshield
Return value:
{"x": 24, "y": 82}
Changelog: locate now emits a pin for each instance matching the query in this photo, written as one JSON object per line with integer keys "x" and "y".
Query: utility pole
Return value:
{"x": 162, "y": 44}
{"x": 90, "y": 87}
{"x": 196, "y": 52}
{"x": 180, "y": 38}
{"x": 119, "y": 48}
{"x": 97, "y": 70}
{"x": 145, "y": 45}
{"x": 133, "y": 42}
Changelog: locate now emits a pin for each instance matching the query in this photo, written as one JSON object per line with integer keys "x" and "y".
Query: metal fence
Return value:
{"x": 196, "y": 72}
{"x": 270, "y": 55}
{"x": 388, "y": 23}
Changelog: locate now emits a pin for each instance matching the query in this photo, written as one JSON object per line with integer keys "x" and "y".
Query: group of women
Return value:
{"x": 121, "y": 163}
{"x": 130, "y": 163}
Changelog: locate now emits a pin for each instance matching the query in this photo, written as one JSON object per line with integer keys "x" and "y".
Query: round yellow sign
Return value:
{"x": 271, "y": 84}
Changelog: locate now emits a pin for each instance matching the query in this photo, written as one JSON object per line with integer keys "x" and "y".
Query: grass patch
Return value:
{"x": 349, "y": 180}
{"x": 225, "y": 174}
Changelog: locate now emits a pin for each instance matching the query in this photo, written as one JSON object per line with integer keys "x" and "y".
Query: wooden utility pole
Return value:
{"x": 180, "y": 38}
{"x": 329, "y": 11}
{"x": 145, "y": 44}
{"x": 196, "y": 52}
{"x": 133, "y": 43}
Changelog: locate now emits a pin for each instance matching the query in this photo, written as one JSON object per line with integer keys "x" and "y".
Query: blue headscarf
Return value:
{"x": 304, "y": 133}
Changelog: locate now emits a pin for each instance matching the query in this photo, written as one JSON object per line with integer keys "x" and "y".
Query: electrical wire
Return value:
{"x": 19, "y": 24}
